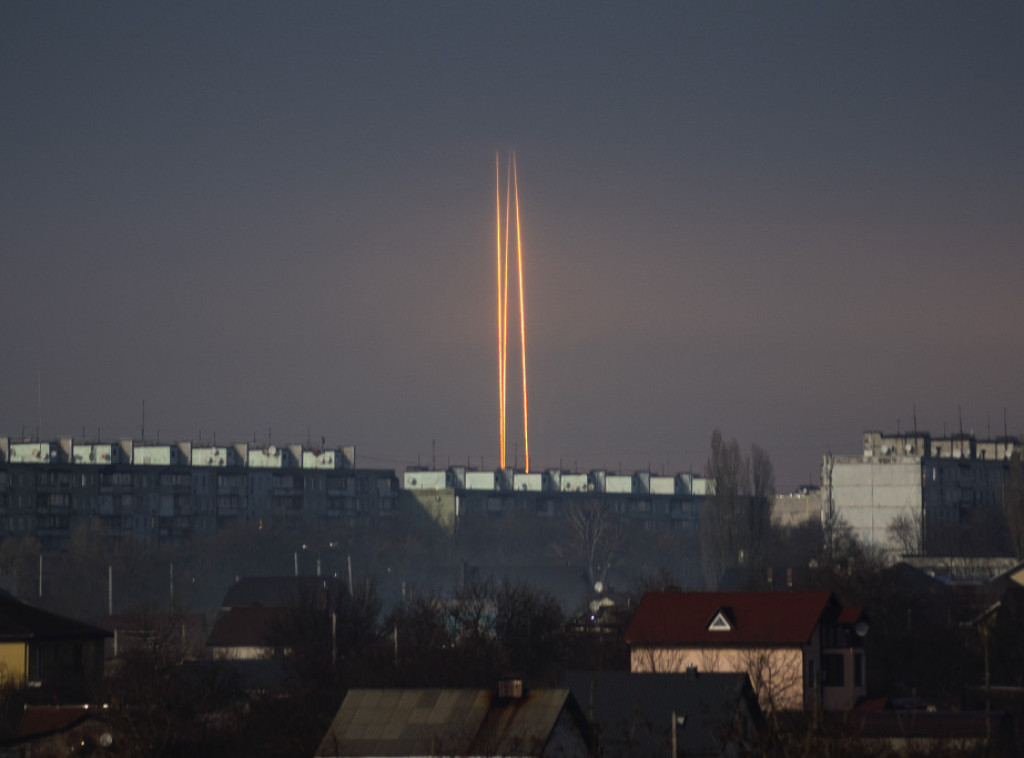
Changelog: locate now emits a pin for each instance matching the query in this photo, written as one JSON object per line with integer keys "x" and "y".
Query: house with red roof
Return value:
{"x": 801, "y": 650}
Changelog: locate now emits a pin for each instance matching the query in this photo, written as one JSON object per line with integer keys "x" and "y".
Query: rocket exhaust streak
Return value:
{"x": 501, "y": 356}
{"x": 504, "y": 324}
{"x": 522, "y": 319}
{"x": 512, "y": 186}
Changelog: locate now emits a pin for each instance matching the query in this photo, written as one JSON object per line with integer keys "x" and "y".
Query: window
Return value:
{"x": 832, "y": 670}
{"x": 858, "y": 670}
{"x": 720, "y": 623}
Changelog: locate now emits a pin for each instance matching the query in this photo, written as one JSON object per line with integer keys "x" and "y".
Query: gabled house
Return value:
{"x": 282, "y": 592}
{"x": 44, "y": 650}
{"x": 466, "y": 722}
{"x": 252, "y": 622}
{"x": 247, "y": 634}
{"x": 701, "y": 714}
{"x": 800, "y": 649}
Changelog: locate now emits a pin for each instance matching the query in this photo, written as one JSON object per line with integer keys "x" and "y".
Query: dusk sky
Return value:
{"x": 791, "y": 221}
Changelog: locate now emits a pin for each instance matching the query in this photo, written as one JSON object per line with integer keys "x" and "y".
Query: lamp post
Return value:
{"x": 296, "y": 558}
{"x": 677, "y": 721}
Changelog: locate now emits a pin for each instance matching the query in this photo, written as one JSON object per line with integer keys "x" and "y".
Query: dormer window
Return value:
{"x": 721, "y": 622}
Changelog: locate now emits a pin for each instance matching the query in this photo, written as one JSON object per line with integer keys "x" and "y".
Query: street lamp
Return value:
{"x": 296, "y": 558}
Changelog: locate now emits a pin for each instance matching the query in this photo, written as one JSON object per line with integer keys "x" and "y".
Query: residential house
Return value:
{"x": 44, "y": 650}
{"x": 253, "y": 620}
{"x": 510, "y": 722}
{"x": 282, "y": 591}
{"x": 247, "y": 634}
{"x": 51, "y": 730}
{"x": 701, "y": 714}
{"x": 800, "y": 649}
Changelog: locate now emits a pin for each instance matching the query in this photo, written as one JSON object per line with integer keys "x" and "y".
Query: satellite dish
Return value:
{"x": 272, "y": 451}
{"x": 598, "y": 586}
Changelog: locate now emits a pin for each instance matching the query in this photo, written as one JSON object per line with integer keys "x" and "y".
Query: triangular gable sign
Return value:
{"x": 720, "y": 623}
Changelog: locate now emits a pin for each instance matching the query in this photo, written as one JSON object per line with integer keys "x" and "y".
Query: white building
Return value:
{"x": 934, "y": 483}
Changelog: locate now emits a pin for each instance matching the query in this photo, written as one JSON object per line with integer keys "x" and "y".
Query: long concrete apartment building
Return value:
{"x": 642, "y": 497}
{"x": 169, "y": 492}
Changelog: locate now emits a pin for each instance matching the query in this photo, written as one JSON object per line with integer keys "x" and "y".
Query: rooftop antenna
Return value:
{"x": 897, "y": 427}
{"x": 915, "y": 419}
{"x": 143, "y": 419}
{"x": 39, "y": 399}
{"x": 960, "y": 414}
{"x": 1004, "y": 422}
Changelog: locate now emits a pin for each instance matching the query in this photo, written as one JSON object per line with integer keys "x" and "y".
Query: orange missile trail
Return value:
{"x": 522, "y": 319}
{"x": 501, "y": 356}
{"x": 504, "y": 323}
{"x": 502, "y": 260}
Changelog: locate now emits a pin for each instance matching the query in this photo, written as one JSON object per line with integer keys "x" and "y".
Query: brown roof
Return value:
{"x": 772, "y": 618}
{"x": 282, "y": 591}
{"x": 247, "y": 627}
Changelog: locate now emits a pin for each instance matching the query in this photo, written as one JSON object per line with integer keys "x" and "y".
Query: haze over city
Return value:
{"x": 792, "y": 222}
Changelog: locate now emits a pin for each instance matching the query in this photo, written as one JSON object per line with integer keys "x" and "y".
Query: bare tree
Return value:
{"x": 759, "y": 505}
{"x": 777, "y": 677}
{"x": 735, "y": 523}
{"x": 1013, "y": 504}
{"x": 905, "y": 531}
{"x": 594, "y": 535}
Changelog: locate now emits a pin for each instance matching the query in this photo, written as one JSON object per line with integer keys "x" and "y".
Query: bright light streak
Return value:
{"x": 504, "y": 321}
{"x": 522, "y": 319}
{"x": 502, "y": 259}
{"x": 501, "y": 356}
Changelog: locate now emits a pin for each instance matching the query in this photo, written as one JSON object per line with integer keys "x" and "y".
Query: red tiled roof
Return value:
{"x": 45, "y": 719}
{"x": 851, "y": 614}
{"x": 772, "y": 618}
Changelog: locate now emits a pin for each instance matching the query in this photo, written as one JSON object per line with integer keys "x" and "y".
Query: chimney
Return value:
{"x": 510, "y": 687}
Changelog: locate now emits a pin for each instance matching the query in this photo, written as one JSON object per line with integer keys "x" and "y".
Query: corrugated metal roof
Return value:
{"x": 442, "y": 722}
